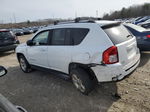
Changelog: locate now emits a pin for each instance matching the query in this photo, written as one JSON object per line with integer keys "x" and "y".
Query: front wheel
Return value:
{"x": 24, "y": 65}
{"x": 82, "y": 81}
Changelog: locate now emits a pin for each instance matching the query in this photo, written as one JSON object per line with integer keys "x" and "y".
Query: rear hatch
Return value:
{"x": 125, "y": 43}
{"x": 6, "y": 38}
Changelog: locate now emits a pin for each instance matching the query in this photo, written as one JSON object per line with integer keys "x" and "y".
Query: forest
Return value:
{"x": 130, "y": 12}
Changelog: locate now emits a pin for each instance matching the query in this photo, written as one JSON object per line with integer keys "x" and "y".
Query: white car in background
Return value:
{"x": 87, "y": 51}
{"x": 145, "y": 24}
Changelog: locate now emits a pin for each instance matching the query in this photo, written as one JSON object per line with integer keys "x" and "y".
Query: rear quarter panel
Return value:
{"x": 92, "y": 47}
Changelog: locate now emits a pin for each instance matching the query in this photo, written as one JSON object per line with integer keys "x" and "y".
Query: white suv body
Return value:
{"x": 107, "y": 49}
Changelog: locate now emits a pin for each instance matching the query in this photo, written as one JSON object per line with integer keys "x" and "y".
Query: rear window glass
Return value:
{"x": 118, "y": 33}
{"x": 5, "y": 34}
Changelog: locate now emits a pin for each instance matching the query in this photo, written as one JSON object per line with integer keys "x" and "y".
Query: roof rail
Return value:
{"x": 78, "y": 20}
{"x": 88, "y": 19}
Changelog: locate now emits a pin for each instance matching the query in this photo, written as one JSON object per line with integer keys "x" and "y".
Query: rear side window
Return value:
{"x": 117, "y": 33}
{"x": 6, "y": 34}
{"x": 58, "y": 37}
{"x": 78, "y": 34}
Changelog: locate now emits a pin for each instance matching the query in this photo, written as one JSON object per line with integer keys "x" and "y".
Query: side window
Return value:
{"x": 58, "y": 37}
{"x": 78, "y": 34}
{"x": 68, "y": 36}
{"x": 41, "y": 38}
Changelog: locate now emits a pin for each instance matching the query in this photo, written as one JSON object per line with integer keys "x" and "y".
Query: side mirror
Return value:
{"x": 3, "y": 71}
{"x": 29, "y": 42}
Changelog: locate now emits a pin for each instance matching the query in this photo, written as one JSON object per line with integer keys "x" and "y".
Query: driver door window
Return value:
{"x": 41, "y": 38}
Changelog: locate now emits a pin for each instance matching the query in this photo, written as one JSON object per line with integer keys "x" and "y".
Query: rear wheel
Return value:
{"x": 24, "y": 65}
{"x": 82, "y": 81}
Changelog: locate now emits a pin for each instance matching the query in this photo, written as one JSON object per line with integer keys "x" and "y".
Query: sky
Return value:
{"x": 22, "y": 10}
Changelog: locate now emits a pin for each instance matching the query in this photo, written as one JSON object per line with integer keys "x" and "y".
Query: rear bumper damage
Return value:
{"x": 115, "y": 72}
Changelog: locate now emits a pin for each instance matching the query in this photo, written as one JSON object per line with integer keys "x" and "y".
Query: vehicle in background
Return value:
{"x": 87, "y": 51}
{"x": 18, "y": 32}
{"x": 145, "y": 24}
{"x": 35, "y": 29}
{"x": 130, "y": 20}
{"x": 136, "y": 19}
{"x": 5, "y": 105}
{"x": 143, "y": 19}
{"x": 30, "y": 29}
{"x": 27, "y": 31}
{"x": 142, "y": 36}
{"x": 8, "y": 41}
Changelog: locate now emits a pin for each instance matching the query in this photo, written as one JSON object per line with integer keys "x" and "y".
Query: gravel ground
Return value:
{"x": 44, "y": 92}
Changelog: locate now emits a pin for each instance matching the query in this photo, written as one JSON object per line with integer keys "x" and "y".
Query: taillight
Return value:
{"x": 110, "y": 56}
{"x": 148, "y": 36}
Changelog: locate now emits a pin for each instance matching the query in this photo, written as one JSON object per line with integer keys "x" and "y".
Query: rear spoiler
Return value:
{"x": 110, "y": 25}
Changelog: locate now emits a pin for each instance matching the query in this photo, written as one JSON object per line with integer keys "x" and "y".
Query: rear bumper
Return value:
{"x": 115, "y": 72}
{"x": 8, "y": 48}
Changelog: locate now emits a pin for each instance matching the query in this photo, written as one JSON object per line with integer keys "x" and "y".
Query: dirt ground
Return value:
{"x": 44, "y": 92}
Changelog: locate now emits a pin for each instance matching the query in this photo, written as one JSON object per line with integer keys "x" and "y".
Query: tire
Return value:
{"x": 82, "y": 81}
{"x": 24, "y": 65}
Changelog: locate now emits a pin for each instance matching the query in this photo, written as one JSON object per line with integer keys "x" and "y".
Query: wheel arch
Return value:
{"x": 86, "y": 67}
{"x": 20, "y": 54}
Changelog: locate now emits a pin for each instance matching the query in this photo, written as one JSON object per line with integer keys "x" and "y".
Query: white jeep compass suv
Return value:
{"x": 86, "y": 51}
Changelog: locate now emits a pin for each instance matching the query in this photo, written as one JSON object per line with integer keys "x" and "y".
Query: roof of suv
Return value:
{"x": 99, "y": 22}
{"x": 106, "y": 22}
